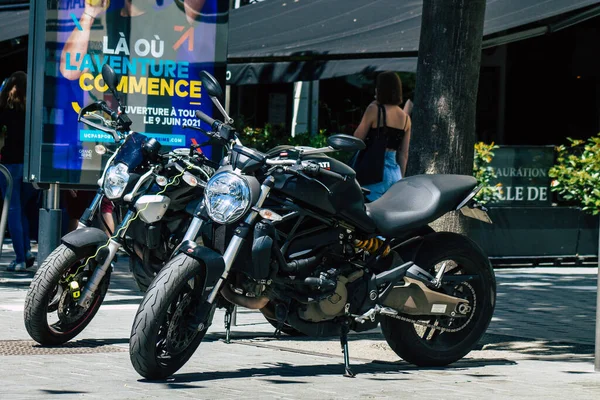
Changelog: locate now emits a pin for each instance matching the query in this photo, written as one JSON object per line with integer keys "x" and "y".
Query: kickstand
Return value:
{"x": 228, "y": 314}
{"x": 281, "y": 312}
{"x": 344, "y": 341}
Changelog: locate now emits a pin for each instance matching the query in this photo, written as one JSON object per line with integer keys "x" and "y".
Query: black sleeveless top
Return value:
{"x": 394, "y": 135}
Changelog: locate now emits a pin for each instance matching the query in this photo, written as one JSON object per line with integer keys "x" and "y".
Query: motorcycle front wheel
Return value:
{"x": 162, "y": 340}
{"x": 52, "y": 315}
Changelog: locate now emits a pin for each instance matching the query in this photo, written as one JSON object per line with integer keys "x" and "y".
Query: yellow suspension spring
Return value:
{"x": 372, "y": 245}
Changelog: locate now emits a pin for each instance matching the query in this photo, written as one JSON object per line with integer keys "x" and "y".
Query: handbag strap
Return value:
{"x": 380, "y": 112}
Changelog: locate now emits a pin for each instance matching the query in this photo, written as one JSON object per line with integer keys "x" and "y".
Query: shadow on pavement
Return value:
{"x": 536, "y": 349}
{"x": 273, "y": 372}
{"x": 51, "y": 392}
{"x": 87, "y": 343}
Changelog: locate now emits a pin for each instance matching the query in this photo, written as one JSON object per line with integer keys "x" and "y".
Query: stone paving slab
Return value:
{"x": 532, "y": 351}
{"x": 219, "y": 371}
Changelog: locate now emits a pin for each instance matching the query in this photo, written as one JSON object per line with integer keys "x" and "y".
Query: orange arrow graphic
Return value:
{"x": 188, "y": 35}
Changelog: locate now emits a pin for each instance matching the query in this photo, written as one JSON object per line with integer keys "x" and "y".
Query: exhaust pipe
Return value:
{"x": 253, "y": 303}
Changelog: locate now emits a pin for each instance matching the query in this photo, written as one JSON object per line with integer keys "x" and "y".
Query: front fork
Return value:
{"x": 192, "y": 232}
{"x": 114, "y": 244}
{"x": 231, "y": 252}
{"x": 88, "y": 215}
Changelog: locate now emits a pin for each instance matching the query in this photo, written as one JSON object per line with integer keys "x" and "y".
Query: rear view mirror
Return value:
{"x": 110, "y": 77}
{"x": 211, "y": 85}
{"x": 345, "y": 143}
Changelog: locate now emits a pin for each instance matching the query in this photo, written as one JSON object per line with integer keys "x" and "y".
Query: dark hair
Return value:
{"x": 18, "y": 80}
{"x": 389, "y": 88}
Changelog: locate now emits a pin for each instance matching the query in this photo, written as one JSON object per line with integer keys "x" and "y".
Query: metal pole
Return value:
{"x": 597, "y": 353}
{"x": 6, "y": 204}
{"x": 50, "y": 223}
{"x": 53, "y": 196}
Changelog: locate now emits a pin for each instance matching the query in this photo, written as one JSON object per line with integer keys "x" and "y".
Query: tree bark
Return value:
{"x": 443, "y": 132}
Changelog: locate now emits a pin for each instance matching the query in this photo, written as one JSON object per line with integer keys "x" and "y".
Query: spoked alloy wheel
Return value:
{"x": 162, "y": 338}
{"x": 441, "y": 340}
{"x": 52, "y": 315}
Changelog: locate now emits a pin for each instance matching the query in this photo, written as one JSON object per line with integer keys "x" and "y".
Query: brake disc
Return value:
{"x": 180, "y": 335}
{"x": 69, "y": 311}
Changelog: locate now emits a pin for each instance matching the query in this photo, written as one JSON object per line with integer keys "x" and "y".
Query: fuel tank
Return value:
{"x": 345, "y": 202}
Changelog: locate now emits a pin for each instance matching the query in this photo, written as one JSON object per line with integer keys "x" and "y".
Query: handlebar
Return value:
{"x": 306, "y": 169}
{"x": 314, "y": 169}
{"x": 213, "y": 124}
{"x": 121, "y": 122}
{"x": 331, "y": 174}
{"x": 113, "y": 114}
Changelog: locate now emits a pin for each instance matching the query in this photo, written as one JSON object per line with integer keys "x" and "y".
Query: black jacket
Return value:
{"x": 12, "y": 122}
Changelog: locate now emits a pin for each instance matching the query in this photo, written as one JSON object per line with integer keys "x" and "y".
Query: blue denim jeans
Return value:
{"x": 18, "y": 225}
{"x": 391, "y": 175}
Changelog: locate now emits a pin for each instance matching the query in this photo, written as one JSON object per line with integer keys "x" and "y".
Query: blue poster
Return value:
{"x": 156, "y": 47}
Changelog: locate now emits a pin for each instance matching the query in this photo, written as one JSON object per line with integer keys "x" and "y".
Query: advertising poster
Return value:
{"x": 156, "y": 47}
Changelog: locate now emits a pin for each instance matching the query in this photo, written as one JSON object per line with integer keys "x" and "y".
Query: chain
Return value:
{"x": 437, "y": 327}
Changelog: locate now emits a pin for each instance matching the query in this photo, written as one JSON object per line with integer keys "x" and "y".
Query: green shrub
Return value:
{"x": 576, "y": 173}
{"x": 270, "y": 136}
{"x": 484, "y": 173}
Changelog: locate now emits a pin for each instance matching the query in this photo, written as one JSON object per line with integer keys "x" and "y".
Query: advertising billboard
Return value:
{"x": 156, "y": 47}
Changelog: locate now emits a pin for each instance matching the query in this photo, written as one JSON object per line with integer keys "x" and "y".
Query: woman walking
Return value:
{"x": 385, "y": 127}
{"x": 12, "y": 128}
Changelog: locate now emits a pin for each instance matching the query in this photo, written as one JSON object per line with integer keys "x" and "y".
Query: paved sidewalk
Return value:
{"x": 539, "y": 345}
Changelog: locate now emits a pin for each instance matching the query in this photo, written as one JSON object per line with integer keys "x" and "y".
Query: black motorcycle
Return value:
{"x": 288, "y": 233}
{"x": 159, "y": 192}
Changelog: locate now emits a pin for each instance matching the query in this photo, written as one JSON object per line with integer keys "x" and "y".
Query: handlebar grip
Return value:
{"x": 205, "y": 118}
{"x": 109, "y": 111}
{"x": 332, "y": 174}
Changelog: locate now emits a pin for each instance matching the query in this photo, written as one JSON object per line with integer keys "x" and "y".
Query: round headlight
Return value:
{"x": 115, "y": 181}
{"x": 227, "y": 197}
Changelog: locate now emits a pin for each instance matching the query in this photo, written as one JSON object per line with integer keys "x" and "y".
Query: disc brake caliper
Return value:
{"x": 74, "y": 289}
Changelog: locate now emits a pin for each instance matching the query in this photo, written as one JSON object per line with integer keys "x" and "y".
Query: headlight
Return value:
{"x": 227, "y": 197}
{"x": 115, "y": 181}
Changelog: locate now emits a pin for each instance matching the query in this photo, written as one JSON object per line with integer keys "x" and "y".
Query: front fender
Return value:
{"x": 83, "y": 240}
{"x": 213, "y": 261}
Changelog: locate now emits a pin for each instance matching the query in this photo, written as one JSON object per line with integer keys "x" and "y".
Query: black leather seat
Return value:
{"x": 418, "y": 200}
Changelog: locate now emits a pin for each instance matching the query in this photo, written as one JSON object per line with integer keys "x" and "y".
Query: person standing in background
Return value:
{"x": 386, "y": 129}
{"x": 12, "y": 127}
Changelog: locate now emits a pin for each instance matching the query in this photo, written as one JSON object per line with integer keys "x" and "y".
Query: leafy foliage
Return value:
{"x": 576, "y": 173}
{"x": 270, "y": 136}
{"x": 484, "y": 173}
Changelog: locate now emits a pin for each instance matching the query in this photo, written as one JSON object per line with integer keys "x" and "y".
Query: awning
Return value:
{"x": 293, "y": 71}
{"x": 284, "y": 40}
{"x": 290, "y": 40}
{"x": 13, "y": 24}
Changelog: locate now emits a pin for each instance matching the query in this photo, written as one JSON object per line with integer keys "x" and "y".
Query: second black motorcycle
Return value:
{"x": 158, "y": 191}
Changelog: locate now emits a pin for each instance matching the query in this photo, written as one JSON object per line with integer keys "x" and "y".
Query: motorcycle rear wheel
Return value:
{"x": 429, "y": 347}
{"x": 161, "y": 341}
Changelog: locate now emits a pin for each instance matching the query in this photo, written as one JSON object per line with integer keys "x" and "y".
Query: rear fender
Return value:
{"x": 84, "y": 240}
{"x": 408, "y": 245}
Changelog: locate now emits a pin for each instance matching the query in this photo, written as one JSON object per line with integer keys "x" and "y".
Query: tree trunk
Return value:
{"x": 443, "y": 133}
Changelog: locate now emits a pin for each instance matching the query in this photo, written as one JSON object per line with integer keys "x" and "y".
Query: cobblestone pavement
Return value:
{"x": 539, "y": 345}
